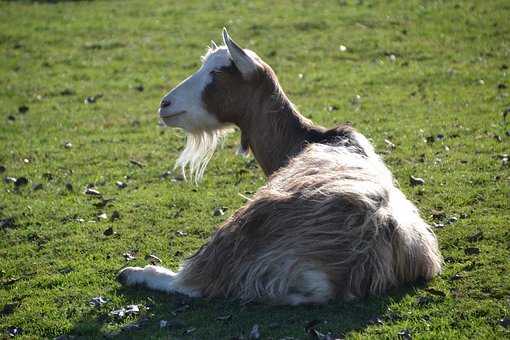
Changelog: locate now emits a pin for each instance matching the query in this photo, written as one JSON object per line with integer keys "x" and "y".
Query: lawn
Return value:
{"x": 426, "y": 81}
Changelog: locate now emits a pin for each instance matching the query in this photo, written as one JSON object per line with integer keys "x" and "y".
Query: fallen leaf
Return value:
{"x": 92, "y": 99}
{"x": 115, "y": 216}
{"x": 219, "y": 211}
{"x": 8, "y": 179}
{"x": 92, "y": 192}
{"x": 414, "y": 181}
{"x": 505, "y": 322}
{"x": 21, "y": 181}
{"x": 452, "y": 220}
{"x": 389, "y": 144}
{"x": 456, "y": 277}
{"x": 97, "y": 301}
{"x": 109, "y": 232}
{"x": 121, "y": 185}
{"x": 123, "y": 312}
{"x": 405, "y": 334}
{"x": 375, "y": 320}
{"x": 129, "y": 256}
{"x": 14, "y": 331}
{"x": 23, "y": 109}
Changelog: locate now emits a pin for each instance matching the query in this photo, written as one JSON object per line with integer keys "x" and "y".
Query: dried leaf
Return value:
{"x": 405, "y": 334}
{"x": 109, "y": 232}
{"x": 219, "y": 211}
{"x": 129, "y": 256}
{"x": 121, "y": 185}
{"x": 123, "y": 312}
{"x": 21, "y": 181}
{"x": 115, "y": 216}
{"x": 92, "y": 192}
{"x": 414, "y": 181}
{"x": 23, "y": 109}
{"x": 97, "y": 301}
{"x": 14, "y": 331}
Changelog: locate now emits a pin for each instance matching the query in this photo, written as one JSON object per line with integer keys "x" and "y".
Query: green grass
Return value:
{"x": 450, "y": 77}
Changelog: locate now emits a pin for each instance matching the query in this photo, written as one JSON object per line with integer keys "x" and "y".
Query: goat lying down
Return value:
{"x": 329, "y": 223}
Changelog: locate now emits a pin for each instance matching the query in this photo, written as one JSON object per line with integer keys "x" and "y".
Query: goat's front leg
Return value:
{"x": 156, "y": 278}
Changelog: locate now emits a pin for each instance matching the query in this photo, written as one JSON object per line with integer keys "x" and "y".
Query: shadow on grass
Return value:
{"x": 221, "y": 319}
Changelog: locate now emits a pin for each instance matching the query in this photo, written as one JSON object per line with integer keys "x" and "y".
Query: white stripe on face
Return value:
{"x": 186, "y": 109}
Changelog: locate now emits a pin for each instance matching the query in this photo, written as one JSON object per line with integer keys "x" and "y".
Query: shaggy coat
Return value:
{"x": 329, "y": 223}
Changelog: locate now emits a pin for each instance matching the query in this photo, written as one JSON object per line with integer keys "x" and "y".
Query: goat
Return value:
{"x": 329, "y": 223}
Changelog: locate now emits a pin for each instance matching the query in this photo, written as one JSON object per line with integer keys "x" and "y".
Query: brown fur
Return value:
{"x": 329, "y": 223}
{"x": 265, "y": 116}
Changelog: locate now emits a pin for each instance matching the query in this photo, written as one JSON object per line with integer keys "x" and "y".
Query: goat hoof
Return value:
{"x": 128, "y": 276}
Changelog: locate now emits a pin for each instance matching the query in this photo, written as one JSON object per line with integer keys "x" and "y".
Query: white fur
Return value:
{"x": 199, "y": 149}
{"x": 157, "y": 278}
{"x": 187, "y": 109}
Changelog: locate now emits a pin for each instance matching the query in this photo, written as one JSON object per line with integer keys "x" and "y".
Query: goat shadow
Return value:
{"x": 223, "y": 319}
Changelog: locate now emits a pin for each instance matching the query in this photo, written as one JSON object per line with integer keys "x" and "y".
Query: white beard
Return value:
{"x": 200, "y": 147}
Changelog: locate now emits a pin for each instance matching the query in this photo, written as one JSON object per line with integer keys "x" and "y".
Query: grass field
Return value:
{"x": 431, "y": 77}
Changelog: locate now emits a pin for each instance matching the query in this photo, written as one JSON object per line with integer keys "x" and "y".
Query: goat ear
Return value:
{"x": 243, "y": 61}
{"x": 213, "y": 45}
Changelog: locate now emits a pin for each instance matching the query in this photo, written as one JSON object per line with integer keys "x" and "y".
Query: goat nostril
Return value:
{"x": 165, "y": 103}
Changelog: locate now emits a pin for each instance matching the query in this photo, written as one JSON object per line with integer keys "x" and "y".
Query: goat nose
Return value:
{"x": 165, "y": 103}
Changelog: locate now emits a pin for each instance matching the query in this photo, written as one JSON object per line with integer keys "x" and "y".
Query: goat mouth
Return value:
{"x": 171, "y": 115}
